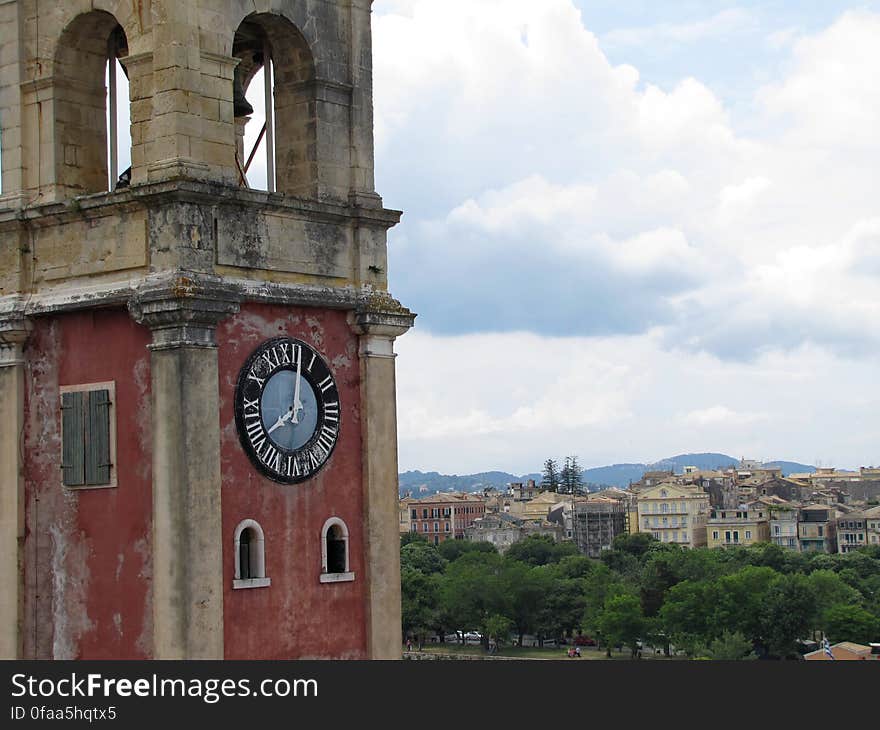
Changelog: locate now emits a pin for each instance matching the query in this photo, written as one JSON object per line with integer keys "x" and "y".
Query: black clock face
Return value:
{"x": 287, "y": 410}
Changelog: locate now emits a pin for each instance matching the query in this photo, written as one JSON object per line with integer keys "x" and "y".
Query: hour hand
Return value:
{"x": 282, "y": 419}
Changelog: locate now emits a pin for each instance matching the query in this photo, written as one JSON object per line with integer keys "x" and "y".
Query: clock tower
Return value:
{"x": 198, "y": 448}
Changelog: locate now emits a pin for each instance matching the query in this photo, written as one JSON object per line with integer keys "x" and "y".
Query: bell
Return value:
{"x": 240, "y": 105}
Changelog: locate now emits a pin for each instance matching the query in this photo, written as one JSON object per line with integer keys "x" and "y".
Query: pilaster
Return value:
{"x": 187, "y": 535}
{"x": 14, "y": 331}
{"x": 378, "y": 322}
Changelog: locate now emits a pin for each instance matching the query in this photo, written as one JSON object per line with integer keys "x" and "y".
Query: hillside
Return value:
{"x": 614, "y": 475}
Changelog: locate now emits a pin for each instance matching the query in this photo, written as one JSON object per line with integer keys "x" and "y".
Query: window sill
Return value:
{"x": 336, "y": 577}
{"x": 251, "y": 583}
{"x": 83, "y": 487}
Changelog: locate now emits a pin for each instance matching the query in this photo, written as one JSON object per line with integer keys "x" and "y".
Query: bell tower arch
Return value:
{"x": 182, "y": 352}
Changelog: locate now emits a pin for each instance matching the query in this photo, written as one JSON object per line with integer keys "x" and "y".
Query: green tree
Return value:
{"x": 622, "y": 622}
{"x": 550, "y": 480}
{"x": 845, "y": 622}
{"x": 498, "y": 628}
{"x": 636, "y": 544}
{"x": 570, "y": 477}
{"x": 786, "y": 614}
{"x": 739, "y": 601}
{"x": 419, "y": 594}
{"x": 687, "y": 614}
{"x": 574, "y": 566}
{"x": 540, "y": 550}
{"x": 409, "y": 537}
{"x": 730, "y": 646}
{"x": 564, "y": 603}
{"x": 659, "y": 574}
{"x": 421, "y": 556}
{"x": 453, "y": 549}
{"x": 472, "y": 590}
{"x": 526, "y": 590}
{"x": 829, "y": 590}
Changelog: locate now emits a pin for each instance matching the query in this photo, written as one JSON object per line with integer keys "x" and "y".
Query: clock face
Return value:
{"x": 287, "y": 410}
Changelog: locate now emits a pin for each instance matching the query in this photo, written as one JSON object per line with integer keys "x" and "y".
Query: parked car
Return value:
{"x": 473, "y": 637}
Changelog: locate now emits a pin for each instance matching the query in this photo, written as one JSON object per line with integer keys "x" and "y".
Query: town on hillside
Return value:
{"x": 732, "y": 563}
{"x": 829, "y": 510}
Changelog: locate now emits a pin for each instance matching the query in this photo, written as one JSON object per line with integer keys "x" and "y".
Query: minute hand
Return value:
{"x": 297, "y": 406}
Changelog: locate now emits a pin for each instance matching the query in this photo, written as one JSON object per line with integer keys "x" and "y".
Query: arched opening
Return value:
{"x": 246, "y": 569}
{"x": 275, "y": 122}
{"x": 336, "y": 562}
{"x": 250, "y": 556}
{"x": 92, "y": 142}
{"x": 334, "y": 552}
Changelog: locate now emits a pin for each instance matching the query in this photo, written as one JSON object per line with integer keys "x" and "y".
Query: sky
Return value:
{"x": 632, "y": 229}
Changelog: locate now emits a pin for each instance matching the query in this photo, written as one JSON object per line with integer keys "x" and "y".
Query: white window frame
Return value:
{"x": 260, "y": 543}
{"x": 347, "y": 575}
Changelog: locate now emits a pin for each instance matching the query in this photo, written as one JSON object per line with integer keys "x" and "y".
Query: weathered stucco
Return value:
{"x": 86, "y": 550}
{"x": 297, "y": 616}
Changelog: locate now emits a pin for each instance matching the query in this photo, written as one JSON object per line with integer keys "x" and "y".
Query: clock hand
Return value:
{"x": 282, "y": 420}
{"x": 297, "y": 405}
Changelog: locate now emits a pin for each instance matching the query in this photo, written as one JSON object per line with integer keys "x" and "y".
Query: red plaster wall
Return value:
{"x": 297, "y": 616}
{"x": 87, "y": 553}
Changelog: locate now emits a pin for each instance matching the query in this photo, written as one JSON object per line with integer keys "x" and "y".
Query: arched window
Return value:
{"x": 91, "y": 107}
{"x": 250, "y": 556}
{"x": 274, "y": 106}
{"x": 334, "y": 552}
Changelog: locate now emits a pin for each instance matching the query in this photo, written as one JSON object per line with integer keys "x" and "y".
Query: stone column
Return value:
{"x": 13, "y": 333}
{"x": 187, "y": 533}
{"x": 378, "y": 325}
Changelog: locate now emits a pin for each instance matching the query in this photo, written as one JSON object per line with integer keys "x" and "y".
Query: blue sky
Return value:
{"x": 632, "y": 229}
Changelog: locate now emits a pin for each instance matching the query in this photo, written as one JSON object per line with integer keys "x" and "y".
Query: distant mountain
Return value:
{"x": 615, "y": 475}
{"x": 435, "y": 482}
{"x": 792, "y": 467}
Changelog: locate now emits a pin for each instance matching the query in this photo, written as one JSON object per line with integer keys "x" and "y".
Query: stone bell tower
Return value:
{"x": 198, "y": 453}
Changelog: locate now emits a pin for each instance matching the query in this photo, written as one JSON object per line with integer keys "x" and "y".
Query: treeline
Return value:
{"x": 740, "y": 603}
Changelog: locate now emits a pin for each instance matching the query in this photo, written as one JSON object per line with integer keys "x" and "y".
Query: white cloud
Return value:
{"x": 549, "y": 190}
{"x": 475, "y": 402}
{"x": 721, "y": 25}
{"x": 831, "y": 93}
{"x": 723, "y": 416}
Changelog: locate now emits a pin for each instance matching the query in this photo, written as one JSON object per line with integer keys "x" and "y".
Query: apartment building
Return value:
{"x": 675, "y": 513}
{"x": 746, "y": 525}
{"x": 442, "y": 517}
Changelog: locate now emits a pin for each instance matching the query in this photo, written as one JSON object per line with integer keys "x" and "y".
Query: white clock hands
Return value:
{"x": 297, "y": 404}
{"x": 292, "y": 414}
{"x": 282, "y": 420}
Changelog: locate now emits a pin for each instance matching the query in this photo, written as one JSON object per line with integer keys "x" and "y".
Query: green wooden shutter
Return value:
{"x": 97, "y": 440}
{"x": 72, "y": 439}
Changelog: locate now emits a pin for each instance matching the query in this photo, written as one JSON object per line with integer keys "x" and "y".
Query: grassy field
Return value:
{"x": 527, "y": 652}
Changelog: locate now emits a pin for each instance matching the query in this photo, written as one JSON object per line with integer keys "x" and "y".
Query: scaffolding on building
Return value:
{"x": 596, "y": 522}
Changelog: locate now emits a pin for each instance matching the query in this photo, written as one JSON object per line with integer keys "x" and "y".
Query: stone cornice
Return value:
{"x": 363, "y": 209}
{"x": 15, "y": 328}
{"x": 184, "y": 313}
{"x": 379, "y": 315}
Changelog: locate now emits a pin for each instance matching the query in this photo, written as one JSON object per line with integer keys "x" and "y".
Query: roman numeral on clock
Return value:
{"x": 331, "y": 412}
{"x": 271, "y": 457}
{"x": 254, "y": 428}
{"x": 327, "y": 437}
{"x": 251, "y": 407}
